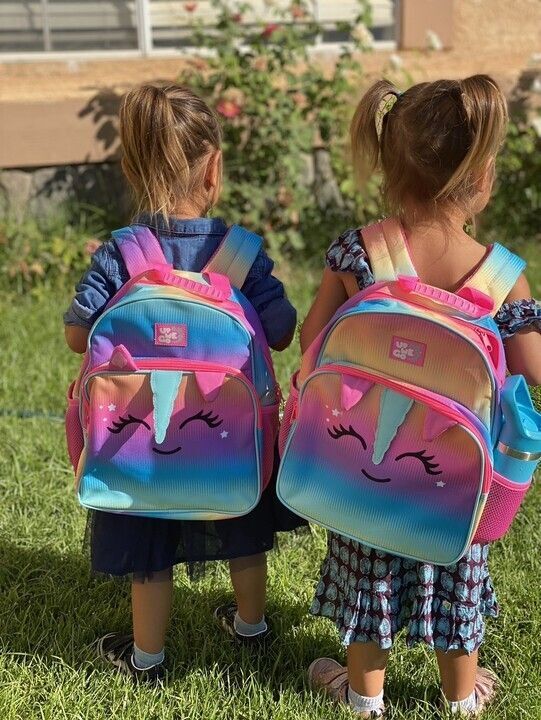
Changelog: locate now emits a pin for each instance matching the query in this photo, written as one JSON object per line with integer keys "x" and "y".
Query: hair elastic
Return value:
{"x": 380, "y": 125}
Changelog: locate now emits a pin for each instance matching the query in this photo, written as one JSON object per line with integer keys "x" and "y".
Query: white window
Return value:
{"x": 35, "y": 27}
{"x": 383, "y": 18}
{"x": 67, "y": 25}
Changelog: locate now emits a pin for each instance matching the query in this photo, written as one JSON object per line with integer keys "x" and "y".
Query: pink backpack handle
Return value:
{"x": 388, "y": 252}
{"x": 144, "y": 258}
{"x": 468, "y": 300}
{"x": 219, "y": 287}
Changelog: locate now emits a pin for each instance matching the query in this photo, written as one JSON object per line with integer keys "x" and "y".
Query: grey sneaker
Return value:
{"x": 331, "y": 678}
{"x": 225, "y": 617}
{"x": 117, "y": 649}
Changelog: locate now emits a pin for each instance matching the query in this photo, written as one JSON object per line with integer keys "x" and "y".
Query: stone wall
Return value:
{"x": 39, "y": 192}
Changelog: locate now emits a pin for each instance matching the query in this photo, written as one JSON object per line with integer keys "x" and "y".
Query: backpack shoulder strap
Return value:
{"x": 235, "y": 255}
{"x": 497, "y": 275}
{"x": 387, "y": 249}
{"x": 140, "y": 248}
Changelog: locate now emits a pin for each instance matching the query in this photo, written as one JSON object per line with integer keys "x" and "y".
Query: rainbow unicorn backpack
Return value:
{"x": 174, "y": 413}
{"x": 391, "y": 439}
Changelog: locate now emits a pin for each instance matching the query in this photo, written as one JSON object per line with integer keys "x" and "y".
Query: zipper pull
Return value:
{"x": 490, "y": 348}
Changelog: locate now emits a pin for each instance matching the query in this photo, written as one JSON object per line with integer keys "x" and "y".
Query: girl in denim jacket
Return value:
{"x": 172, "y": 159}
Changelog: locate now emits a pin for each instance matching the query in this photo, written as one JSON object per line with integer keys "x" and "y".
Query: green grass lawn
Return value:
{"x": 52, "y": 609}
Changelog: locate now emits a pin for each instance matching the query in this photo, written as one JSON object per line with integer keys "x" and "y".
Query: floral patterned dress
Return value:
{"x": 372, "y": 595}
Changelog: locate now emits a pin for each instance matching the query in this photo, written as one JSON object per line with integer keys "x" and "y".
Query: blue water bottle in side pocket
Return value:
{"x": 518, "y": 450}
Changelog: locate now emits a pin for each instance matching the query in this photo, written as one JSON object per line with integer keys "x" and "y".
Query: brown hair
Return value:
{"x": 166, "y": 132}
{"x": 431, "y": 143}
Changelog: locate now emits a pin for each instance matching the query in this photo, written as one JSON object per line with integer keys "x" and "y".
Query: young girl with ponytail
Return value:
{"x": 172, "y": 159}
{"x": 436, "y": 146}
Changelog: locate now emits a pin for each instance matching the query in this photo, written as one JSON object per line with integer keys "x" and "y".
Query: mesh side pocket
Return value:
{"x": 503, "y": 502}
{"x": 290, "y": 410}
{"x": 74, "y": 431}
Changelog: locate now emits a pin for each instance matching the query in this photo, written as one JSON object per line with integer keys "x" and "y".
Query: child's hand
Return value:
{"x": 76, "y": 337}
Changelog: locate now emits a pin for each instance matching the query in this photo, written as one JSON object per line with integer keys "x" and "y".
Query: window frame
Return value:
{"x": 145, "y": 45}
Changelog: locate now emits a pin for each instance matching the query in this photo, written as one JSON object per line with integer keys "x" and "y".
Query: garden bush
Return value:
{"x": 285, "y": 116}
{"x": 38, "y": 253}
{"x": 514, "y": 213}
{"x": 288, "y": 176}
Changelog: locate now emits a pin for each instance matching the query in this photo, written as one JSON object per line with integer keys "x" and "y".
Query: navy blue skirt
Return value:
{"x": 141, "y": 546}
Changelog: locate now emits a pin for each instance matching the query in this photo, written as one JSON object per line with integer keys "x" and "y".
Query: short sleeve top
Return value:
{"x": 347, "y": 254}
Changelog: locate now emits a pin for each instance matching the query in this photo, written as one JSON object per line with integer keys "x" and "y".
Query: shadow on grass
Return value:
{"x": 52, "y": 607}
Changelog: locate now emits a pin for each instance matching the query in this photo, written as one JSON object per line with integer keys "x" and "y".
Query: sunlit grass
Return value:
{"x": 52, "y": 609}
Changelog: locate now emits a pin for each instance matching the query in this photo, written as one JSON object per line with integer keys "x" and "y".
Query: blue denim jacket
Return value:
{"x": 187, "y": 245}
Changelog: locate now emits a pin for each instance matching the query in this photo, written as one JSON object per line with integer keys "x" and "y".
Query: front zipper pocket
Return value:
{"x": 395, "y": 467}
{"x": 171, "y": 439}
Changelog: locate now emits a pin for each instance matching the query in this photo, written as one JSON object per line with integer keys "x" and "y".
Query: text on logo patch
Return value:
{"x": 171, "y": 334}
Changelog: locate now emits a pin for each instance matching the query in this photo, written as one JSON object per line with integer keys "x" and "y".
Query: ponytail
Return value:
{"x": 432, "y": 144}
{"x": 486, "y": 117}
{"x": 165, "y": 132}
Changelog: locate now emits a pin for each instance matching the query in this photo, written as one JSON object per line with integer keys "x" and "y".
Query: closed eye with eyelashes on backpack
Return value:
{"x": 211, "y": 420}
{"x": 430, "y": 467}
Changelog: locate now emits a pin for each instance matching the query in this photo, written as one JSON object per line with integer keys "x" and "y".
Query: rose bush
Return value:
{"x": 285, "y": 116}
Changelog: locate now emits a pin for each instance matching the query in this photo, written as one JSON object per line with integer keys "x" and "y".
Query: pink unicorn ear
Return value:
{"x": 209, "y": 384}
{"x": 121, "y": 359}
{"x": 436, "y": 424}
{"x": 353, "y": 389}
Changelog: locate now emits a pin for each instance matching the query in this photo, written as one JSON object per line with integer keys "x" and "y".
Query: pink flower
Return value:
{"x": 237, "y": 17}
{"x": 260, "y": 63}
{"x": 297, "y": 11}
{"x": 91, "y": 246}
{"x": 300, "y": 99}
{"x": 269, "y": 29}
{"x": 198, "y": 63}
{"x": 190, "y": 7}
{"x": 228, "y": 109}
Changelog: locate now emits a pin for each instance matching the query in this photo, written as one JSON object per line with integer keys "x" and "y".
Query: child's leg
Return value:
{"x": 249, "y": 579}
{"x": 360, "y": 685}
{"x": 367, "y": 663}
{"x": 458, "y": 672}
{"x": 151, "y": 608}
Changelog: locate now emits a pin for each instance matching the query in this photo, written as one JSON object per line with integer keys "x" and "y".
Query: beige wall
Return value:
{"x": 497, "y": 26}
{"x": 51, "y": 113}
{"x": 498, "y": 37}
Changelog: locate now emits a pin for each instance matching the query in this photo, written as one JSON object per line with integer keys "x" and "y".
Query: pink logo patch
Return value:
{"x": 408, "y": 351}
{"x": 171, "y": 334}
